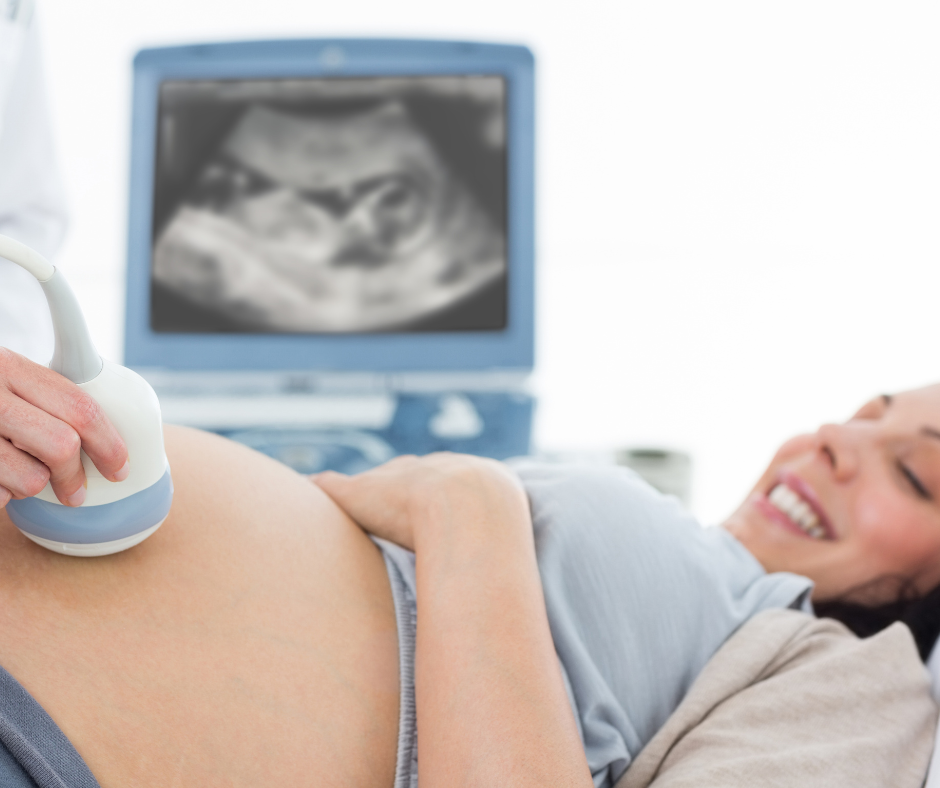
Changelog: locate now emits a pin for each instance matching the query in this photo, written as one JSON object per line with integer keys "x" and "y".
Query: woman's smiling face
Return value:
{"x": 855, "y": 507}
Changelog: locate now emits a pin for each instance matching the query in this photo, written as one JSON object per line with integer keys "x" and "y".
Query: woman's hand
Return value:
{"x": 399, "y": 499}
{"x": 45, "y": 420}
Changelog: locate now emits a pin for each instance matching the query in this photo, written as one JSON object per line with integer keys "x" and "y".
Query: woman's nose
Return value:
{"x": 838, "y": 446}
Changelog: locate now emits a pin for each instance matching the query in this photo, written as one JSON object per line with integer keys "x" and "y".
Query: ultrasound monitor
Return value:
{"x": 332, "y": 206}
{"x": 330, "y": 246}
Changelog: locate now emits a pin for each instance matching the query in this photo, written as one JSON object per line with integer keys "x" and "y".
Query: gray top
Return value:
{"x": 639, "y": 598}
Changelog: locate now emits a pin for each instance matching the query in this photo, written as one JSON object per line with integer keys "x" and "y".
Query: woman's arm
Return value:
{"x": 491, "y": 704}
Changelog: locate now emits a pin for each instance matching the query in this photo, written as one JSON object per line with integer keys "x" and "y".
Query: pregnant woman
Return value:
{"x": 537, "y": 626}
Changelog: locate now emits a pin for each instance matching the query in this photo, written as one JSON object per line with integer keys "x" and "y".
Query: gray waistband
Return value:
{"x": 32, "y": 744}
{"x": 400, "y": 566}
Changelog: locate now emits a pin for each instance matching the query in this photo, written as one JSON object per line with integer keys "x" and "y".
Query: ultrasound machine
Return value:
{"x": 330, "y": 250}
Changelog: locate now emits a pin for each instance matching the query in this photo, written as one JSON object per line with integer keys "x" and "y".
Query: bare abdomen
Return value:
{"x": 250, "y": 641}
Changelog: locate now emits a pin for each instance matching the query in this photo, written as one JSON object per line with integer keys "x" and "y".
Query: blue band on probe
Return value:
{"x": 94, "y": 524}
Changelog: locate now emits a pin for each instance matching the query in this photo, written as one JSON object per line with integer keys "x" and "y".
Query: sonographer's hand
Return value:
{"x": 45, "y": 420}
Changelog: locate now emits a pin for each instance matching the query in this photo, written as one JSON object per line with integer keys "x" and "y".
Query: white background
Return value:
{"x": 737, "y": 201}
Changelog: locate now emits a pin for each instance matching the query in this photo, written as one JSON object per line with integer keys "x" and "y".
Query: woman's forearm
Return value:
{"x": 491, "y": 703}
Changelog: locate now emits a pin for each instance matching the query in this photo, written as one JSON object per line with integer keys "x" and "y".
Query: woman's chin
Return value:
{"x": 778, "y": 544}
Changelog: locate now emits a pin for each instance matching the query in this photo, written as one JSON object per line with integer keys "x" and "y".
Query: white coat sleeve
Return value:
{"x": 32, "y": 198}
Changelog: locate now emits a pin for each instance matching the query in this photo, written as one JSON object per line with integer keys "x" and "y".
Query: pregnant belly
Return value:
{"x": 250, "y": 641}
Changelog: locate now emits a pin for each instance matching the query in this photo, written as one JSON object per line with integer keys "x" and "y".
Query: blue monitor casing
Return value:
{"x": 355, "y": 88}
{"x": 508, "y": 348}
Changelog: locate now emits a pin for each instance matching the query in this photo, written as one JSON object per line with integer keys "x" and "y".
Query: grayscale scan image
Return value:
{"x": 330, "y": 205}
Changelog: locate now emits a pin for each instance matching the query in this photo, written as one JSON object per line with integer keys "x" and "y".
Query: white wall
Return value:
{"x": 738, "y": 201}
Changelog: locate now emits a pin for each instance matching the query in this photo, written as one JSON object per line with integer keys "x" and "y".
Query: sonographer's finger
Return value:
{"x": 62, "y": 399}
{"x": 5, "y": 496}
{"x": 20, "y": 473}
{"x": 52, "y": 443}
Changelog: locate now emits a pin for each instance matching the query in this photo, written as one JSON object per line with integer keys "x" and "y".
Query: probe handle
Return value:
{"x": 75, "y": 355}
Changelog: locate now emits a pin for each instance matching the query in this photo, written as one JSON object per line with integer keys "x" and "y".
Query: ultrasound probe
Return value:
{"x": 114, "y": 515}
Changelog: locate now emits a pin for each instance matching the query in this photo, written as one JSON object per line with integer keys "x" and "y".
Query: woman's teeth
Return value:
{"x": 794, "y": 507}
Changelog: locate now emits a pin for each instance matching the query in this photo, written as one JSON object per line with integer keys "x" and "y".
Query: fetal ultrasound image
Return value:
{"x": 330, "y": 205}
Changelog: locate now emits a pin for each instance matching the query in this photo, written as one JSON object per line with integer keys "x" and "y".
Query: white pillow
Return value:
{"x": 933, "y": 666}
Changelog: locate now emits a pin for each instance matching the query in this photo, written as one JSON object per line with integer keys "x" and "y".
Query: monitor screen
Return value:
{"x": 330, "y": 205}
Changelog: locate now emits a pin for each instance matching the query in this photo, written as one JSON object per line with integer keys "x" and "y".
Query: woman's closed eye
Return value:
{"x": 914, "y": 482}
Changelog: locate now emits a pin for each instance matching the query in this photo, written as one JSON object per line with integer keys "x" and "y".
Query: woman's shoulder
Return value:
{"x": 613, "y": 511}
{"x": 597, "y": 489}
{"x": 611, "y": 516}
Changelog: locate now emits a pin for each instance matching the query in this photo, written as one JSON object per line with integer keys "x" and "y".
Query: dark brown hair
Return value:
{"x": 921, "y": 614}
